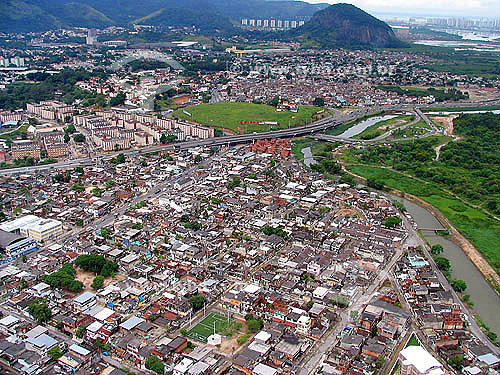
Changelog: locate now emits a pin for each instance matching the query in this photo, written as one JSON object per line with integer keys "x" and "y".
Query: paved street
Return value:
{"x": 415, "y": 240}
{"x": 359, "y": 301}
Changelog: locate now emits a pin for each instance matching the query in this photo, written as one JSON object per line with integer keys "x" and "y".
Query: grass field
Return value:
{"x": 10, "y": 134}
{"x": 419, "y": 128}
{"x": 228, "y": 116}
{"x": 205, "y": 328}
{"x": 481, "y": 230}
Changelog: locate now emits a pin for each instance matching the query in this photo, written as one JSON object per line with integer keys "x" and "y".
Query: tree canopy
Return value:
{"x": 40, "y": 311}
{"x": 153, "y": 363}
{"x": 392, "y": 221}
{"x": 96, "y": 264}
{"x": 64, "y": 278}
{"x": 197, "y": 302}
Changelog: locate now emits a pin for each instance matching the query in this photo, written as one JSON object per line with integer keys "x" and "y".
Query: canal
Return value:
{"x": 486, "y": 301}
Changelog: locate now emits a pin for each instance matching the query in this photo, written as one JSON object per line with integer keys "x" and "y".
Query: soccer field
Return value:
{"x": 205, "y": 328}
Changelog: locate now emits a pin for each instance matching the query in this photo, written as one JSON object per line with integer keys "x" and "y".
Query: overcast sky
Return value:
{"x": 488, "y": 8}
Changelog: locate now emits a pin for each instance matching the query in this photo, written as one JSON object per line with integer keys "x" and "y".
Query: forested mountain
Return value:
{"x": 344, "y": 25}
{"x": 39, "y": 15}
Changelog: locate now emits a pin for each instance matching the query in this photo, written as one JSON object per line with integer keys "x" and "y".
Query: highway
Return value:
{"x": 317, "y": 127}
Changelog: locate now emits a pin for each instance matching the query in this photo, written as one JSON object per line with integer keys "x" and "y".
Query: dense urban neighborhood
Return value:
{"x": 261, "y": 200}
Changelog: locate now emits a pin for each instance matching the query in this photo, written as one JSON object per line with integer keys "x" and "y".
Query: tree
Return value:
{"x": 24, "y": 259}
{"x": 459, "y": 285}
{"x": 197, "y": 302}
{"x": 79, "y": 138}
{"x": 153, "y": 363}
{"x": 375, "y": 184}
{"x": 119, "y": 99}
{"x": 184, "y": 332}
{"x": 119, "y": 159}
{"x": 392, "y": 221}
{"x": 457, "y": 362}
{"x": 249, "y": 317}
{"x": 105, "y": 233}
{"x": 163, "y": 139}
{"x": 23, "y": 284}
{"x": 197, "y": 159}
{"x": 102, "y": 346}
{"x": 55, "y": 353}
{"x": 40, "y": 312}
{"x": 319, "y": 102}
{"x": 70, "y": 129}
{"x": 98, "y": 282}
{"x": 96, "y": 191}
{"x": 437, "y": 249}
{"x": 171, "y": 138}
{"x": 64, "y": 278}
{"x": 76, "y": 286}
{"x": 80, "y": 331}
{"x": 78, "y": 187}
{"x": 255, "y": 325}
{"x": 235, "y": 183}
{"x": 97, "y": 264}
{"x": 380, "y": 361}
{"x": 442, "y": 263}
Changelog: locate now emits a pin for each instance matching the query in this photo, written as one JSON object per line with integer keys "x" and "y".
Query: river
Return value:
{"x": 308, "y": 156}
{"x": 486, "y": 301}
{"x": 362, "y": 125}
{"x": 496, "y": 112}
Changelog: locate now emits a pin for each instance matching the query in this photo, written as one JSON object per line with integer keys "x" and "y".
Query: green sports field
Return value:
{"x": 205, "y": 328}
{"x": 229, "y": 116}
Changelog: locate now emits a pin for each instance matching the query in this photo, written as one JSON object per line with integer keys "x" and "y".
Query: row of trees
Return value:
{"x": 439, "y": 95}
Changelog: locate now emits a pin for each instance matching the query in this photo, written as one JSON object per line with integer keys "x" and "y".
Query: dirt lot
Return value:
{"x": 446, "y": 122}
{"x": 229, "y": 343}
{"x": 87, "y": 277}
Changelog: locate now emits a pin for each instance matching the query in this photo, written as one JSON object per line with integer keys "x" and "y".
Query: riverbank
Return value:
{"x": 458, "y": 239}
{"x": 456, "y": 236}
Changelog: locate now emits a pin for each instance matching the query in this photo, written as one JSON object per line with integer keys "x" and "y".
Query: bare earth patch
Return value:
{"x": 86, "y": 279}
{"x": 446, "y": 121}
{"x": 228, "y": 344}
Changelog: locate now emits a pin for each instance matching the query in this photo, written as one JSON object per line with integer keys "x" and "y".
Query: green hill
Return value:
{"x": 344, "y": 25}
{"x": 207, "y": 15}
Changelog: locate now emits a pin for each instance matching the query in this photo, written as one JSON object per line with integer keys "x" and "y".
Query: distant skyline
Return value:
{"x": 464, "y": 8}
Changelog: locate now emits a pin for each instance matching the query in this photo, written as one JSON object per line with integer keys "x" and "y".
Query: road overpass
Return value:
{"x": 316, "y": 127}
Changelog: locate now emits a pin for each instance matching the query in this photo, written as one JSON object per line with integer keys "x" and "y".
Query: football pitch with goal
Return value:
{"x": 205, "y": 328}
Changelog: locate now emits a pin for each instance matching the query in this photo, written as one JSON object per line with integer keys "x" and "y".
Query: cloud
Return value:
{"x": 438, "y": 7}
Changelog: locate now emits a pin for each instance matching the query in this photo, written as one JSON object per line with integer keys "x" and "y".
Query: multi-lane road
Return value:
{"x": 317, "y": 127}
